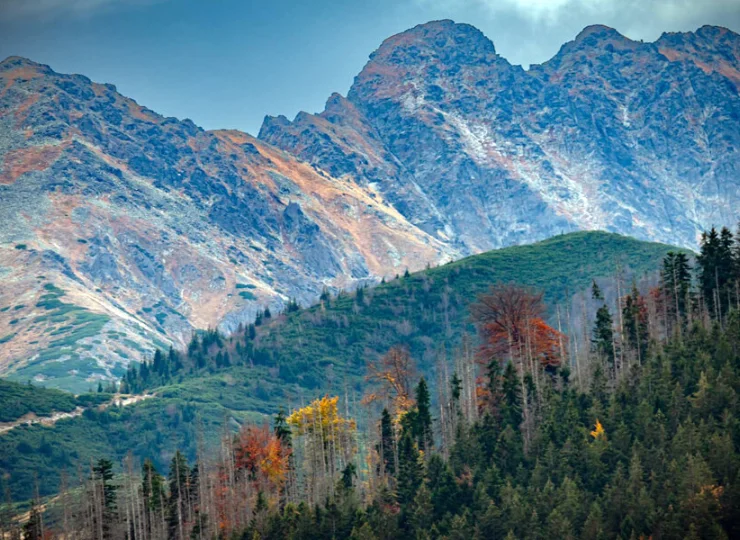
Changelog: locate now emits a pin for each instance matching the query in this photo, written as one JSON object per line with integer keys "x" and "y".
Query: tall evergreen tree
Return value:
{"x": 603, "y": 335}
{"x": 177, "y": 508}
{"x": 675, "y": 283}
{"x": 410, "y": 469}
{"x": 511, "y": 414}
{"x": 33, "y": 529}
{"x": 105, "y": 495}
{"x": 387, "y": 440}
{"x": 635, "y": 320}
{"x": 423, "y": 424}
{"x": 154, "y": 496}
{"x": 716, "y": 269}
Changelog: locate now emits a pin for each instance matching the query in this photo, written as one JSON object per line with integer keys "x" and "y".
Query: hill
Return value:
{"x": 297, "y": 356}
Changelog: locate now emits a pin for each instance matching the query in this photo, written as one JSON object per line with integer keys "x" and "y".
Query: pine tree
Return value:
{"x": 596, "y": 291}
{"x": 387, "y": 444}
{"x": 409, "y": 469}
{"x": 716, "y": 270}
{"x": 105, "y": 494}
{"x": 423, "y": 418}
{"x": 511, "y": 414}
{"x": 634, "y": 317}
{"x": 177, "y": 507}
{"x": 675, "y": 283}
{"x": 153, "y": 494}
{"x": 33, "y": 529}
{"x": 603, "y": 335}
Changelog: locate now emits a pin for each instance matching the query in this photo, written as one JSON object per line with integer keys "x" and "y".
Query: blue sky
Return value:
{"x": 225, "y": 64}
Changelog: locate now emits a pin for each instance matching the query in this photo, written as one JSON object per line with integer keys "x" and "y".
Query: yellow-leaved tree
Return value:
{"x": 325, "y": 443}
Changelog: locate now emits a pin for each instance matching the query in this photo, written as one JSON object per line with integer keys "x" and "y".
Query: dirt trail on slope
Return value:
{"x": 121, "y": 400}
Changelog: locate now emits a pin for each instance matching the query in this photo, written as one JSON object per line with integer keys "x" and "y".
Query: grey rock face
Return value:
{"x": 632, "y": 137}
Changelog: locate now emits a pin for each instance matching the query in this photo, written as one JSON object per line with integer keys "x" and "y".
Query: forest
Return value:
{"x": 530, "y": 428}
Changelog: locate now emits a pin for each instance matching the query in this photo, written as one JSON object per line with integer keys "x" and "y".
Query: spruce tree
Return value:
{"x": 178, "y": 487}
{"x": 106, "y": 495}
{"x": 423, "y": 424}
{"x": 511, "y": 414}
{"x": 410, "y": 471}
{"x": 33, "y": 529}
{"x": 387, "y": 454}
{"x": 603, "y": 335}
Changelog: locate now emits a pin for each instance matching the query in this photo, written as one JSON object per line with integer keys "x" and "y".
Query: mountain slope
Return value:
{"x": 631, "y": 137}
{"x": 121, "y": 229}
{"x": 300, "y": 355}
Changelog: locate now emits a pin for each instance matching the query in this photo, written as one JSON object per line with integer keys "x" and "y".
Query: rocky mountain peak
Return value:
{"x": 12, "y": 63}
{"x": 596, "y": 33}
{"x": 438, "y": 56}
{"x": 713, "y": 49}
{"x": 443, "y": 40}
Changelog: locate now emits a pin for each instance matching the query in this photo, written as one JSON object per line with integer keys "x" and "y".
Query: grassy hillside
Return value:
{"x": 289, "y": 358}
{"x": 430, "y": 308}
{"x": 17, "y": 400}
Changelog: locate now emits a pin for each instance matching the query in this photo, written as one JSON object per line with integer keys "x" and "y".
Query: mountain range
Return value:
{"x": 122, "y": 230}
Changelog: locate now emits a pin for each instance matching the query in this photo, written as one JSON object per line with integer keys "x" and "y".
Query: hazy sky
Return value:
{"x": 227, "y": 63}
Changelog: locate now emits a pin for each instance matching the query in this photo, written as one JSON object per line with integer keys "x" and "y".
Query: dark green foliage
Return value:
{"x": 717, "y": 271}
{"x": 102, "y": 482}
{"x": 387, "y": 444}
{"x": 18, "y": 399}
{"x": 410, "y": 469}
{"x": 422, "y": 428}
{"x": 603, "y": 335}
{"x": 635, "y": 320}
{"x": 675, "y": 283}
{"x": 33, "y": 529}
{"x": 178, "y": 482}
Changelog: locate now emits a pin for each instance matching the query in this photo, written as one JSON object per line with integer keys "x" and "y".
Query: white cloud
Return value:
{"x": 643, "y": 12}
{"x": 532, "y": 31}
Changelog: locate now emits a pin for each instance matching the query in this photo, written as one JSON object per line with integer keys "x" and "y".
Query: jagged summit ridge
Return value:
{"x": 611, "y": 133}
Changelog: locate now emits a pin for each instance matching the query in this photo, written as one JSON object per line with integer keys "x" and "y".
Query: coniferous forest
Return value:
{"x": 521, "y": 434}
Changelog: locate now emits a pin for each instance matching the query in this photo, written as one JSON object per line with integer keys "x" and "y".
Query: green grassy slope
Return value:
{"x": 295, "y": 350}
{"x": 345, "y": 332}
{"x": 17, "y": 400}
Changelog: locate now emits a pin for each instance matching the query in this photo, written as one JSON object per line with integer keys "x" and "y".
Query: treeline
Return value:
{"x": 207, "y": 351}
{"x": 638, "y": 436}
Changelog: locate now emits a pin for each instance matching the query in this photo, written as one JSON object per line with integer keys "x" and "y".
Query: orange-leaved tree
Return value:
{"x": 393, "y": 374}
{"x": 260, "y": 451}
{"x": 511, "y": 323}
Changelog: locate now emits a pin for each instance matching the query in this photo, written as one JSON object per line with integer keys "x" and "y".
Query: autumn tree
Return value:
{"x": 263, "y": 454}
{"x": 393, "y": 375}
{"x": 328, "y": 444}
{"x": 511, "y": 325}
